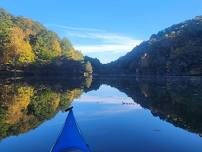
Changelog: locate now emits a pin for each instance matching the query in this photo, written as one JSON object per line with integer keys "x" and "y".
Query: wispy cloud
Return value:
{"x": 64, "y": 27}
{"x": 105, "y": 41}
{"x": 108, "y": 42}
{"x": 105, "y": 100}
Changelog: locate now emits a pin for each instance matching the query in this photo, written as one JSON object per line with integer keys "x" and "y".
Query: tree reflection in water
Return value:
{"x": 24, "y": 105}
{"x": 177, "y": 100}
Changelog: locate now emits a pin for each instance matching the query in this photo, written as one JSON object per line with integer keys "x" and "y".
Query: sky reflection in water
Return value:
{"x": 110, "y": 121}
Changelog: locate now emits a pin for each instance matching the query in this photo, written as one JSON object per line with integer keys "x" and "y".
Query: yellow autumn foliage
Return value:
{"x": 56, "y": 48}
{"x": 55, "y": 101}
{"x": 22, "y": 50}
{"x": 17, "y": 103}
{"x": 73, "y": 94}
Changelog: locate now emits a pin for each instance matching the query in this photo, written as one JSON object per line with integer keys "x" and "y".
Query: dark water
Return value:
{"x": 114, "y": 115}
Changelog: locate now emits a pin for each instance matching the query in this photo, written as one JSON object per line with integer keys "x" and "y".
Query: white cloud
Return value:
{"x": 106, "y": 100}
{"x": 107, "y": 42}
{"x": 70, "y": 28}
{"x": 105, "y": 48}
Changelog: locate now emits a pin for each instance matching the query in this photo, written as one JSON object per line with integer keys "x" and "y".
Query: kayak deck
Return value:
{"x": 70, "y": 139}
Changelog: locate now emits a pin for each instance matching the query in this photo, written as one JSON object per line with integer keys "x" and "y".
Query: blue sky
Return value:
{"x": 105, "y": 29}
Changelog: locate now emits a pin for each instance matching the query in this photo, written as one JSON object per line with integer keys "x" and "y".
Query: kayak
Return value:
{"x": 70, "y": 138}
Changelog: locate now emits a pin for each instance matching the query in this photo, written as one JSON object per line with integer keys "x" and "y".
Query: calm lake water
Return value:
{"x": 114, "y": 115}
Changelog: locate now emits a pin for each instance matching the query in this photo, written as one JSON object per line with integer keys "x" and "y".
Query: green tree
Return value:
{"x": 69, "y": 52}
{"x": 67, "y": 48}
{"x": 46, "y": 45}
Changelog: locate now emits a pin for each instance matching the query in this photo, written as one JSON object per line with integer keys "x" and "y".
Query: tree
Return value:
{"x": 15, "y": 48}
{"x": 46, "y": 45}
{"x": 78, "y": 56}
{"x": 88, "y": 67}
{"x": 4, "y": 41}
{"x": 67, "y": 48}
{"x": 21, "y": 49}
{"x": 69, "y": 52}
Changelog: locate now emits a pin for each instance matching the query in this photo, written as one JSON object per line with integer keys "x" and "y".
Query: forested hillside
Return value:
{"x": 176, "y": 50}
{"x": 26, "y": 44}
{"x": 28, "y": 47}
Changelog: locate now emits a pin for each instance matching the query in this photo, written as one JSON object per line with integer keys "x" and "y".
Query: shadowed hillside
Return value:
{"x": 176, "y": 50}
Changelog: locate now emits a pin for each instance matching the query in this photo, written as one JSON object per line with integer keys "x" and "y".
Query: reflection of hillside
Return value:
{"x": 176, "y": 100}
{"x": 23, "y": 106}
{"x": 15, "y": 100}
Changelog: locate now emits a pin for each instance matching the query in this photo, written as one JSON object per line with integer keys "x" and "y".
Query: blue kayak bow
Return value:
{"x": 70, "y": 138}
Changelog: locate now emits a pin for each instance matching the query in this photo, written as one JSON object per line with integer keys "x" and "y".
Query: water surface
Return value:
{"x": 122, "y": 114}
